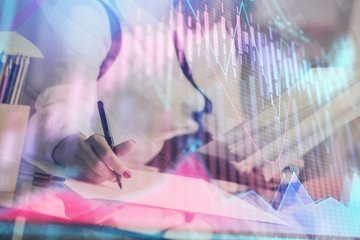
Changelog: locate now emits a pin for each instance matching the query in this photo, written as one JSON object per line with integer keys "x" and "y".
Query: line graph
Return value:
{"x": 334, "y": 212}
{"x": 165, "y": 94}
{"x": 242, "y": 7}
{"x": 225, "y": 69}
{"x": 243, "y": 124}
{"x": 293, "y": 204}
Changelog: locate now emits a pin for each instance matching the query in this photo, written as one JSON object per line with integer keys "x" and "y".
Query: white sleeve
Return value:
{"x": 75, "y": 40}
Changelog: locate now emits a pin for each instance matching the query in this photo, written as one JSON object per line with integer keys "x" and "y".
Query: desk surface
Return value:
{"x": 58, "y": 212}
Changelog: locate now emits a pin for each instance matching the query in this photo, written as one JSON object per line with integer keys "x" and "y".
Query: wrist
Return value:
{"x": 65, "y": 147}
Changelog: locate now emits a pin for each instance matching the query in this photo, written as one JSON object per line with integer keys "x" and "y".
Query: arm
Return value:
{"x": 75, "y": 41}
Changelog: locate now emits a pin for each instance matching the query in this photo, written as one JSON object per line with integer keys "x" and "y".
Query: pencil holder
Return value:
{"x": 13, "y": 122}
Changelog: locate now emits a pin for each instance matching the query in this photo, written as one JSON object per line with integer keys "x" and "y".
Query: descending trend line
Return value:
{"x": 280, "y": 12}
{"x": 282, "y": 42}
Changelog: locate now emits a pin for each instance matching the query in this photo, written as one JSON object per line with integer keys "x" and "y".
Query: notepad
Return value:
{"x": 174, "y": 192}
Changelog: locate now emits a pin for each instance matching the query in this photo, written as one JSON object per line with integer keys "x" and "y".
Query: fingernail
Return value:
{"x": 133, "y": 141}
{"x": 127, "y": 174}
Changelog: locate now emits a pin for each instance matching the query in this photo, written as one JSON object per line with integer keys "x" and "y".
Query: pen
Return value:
{"x": 43, "y": 176}
{"x": 108, "y": 137}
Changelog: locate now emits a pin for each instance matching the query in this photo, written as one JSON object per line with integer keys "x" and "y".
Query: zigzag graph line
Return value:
{"x": 282, "y": 42}
{"x": 226, "y": 93}
{"x": 224, "y": 71}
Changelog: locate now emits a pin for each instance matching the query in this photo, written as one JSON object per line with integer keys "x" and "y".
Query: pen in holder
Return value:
{"x": 13, "y": 122}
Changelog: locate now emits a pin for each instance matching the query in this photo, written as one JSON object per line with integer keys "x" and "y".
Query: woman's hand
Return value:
{"x": 92, "y": 158}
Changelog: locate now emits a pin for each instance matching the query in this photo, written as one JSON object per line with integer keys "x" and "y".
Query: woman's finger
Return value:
{"x": 125, "y": 148}
{"x": 106, "y": 155}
